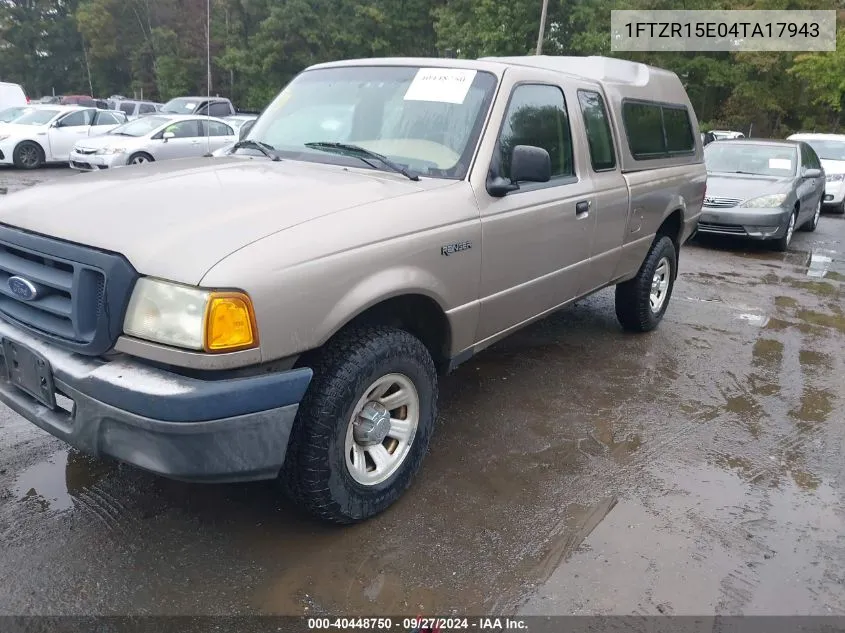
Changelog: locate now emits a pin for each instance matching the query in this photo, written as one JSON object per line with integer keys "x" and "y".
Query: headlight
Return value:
{"x": 3, "y": 137}
{"x": 110, "y": 150}
{"x": 829, "y": 177}
{"x": 765, "y": 202}
{"x": 188, "y": 317}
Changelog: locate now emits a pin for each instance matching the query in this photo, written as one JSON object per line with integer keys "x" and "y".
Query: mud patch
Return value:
{"x": 768, "y": 352}
{"x": 834, "y": 321}
{"x": 818, "y": 288}
{"x": 786, "y": 302}
{"x": 816, "y": 405}
{"x": 809, "y": 358}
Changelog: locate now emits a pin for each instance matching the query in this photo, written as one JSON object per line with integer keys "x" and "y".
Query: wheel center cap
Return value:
{"x": 372, "y": 424}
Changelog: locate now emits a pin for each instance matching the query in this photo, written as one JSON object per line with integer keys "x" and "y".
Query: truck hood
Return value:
{"x": 176, "y": 219}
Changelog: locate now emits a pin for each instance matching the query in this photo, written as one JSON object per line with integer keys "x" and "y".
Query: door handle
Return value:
{"x": 582, "y": 208}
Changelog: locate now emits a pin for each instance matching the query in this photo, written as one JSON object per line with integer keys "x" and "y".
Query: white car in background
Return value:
{"x": 48, "y": 133}
{"x": 152, "y": 138}
{"x": 830, "y": 148}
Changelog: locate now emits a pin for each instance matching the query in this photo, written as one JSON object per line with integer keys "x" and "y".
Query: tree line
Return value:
{"x": 157, "y": 49}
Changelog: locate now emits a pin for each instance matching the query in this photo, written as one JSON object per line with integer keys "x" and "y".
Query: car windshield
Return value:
{"x": 827, "y": 149}
{"x": 141, "y": 127}
{"x": 41, "y": 116}
{"x": 424, "y": 119}
{"x": 10, "y": 114}
{"x": 181, "y": 105}
{"x": 749, "y": 158}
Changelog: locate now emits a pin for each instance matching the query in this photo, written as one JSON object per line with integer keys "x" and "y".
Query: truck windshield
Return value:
{"x": 182, "y": 105}
{"x": 426, "y": 120}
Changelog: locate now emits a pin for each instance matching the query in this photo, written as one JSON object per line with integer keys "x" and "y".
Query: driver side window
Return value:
{"x": 76, "y": 119}
{"x": 536, "y": 116}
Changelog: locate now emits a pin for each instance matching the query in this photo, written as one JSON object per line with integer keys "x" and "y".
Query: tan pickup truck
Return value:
{"x": 284, "y": 311}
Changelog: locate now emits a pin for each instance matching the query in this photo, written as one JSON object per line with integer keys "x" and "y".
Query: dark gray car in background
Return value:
{"x": 761, "y": 189}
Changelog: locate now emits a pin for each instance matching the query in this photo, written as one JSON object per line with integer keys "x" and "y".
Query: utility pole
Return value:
{"x": 542, "y": 27}
{"x": 208, "y": 42}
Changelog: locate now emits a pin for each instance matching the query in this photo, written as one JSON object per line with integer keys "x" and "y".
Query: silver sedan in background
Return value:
{"x": 152, "y": 138}
{"x": 763, "y": 190}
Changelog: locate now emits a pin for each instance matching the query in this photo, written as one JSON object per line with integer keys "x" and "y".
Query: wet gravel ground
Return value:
{"x": 576, "y": 469}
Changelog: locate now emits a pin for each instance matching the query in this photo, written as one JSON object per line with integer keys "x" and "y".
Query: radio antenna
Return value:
{"x": 208, "y": 82}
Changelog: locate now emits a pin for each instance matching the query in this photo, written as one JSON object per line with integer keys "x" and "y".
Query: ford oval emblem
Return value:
{"x": 22, "y": 288}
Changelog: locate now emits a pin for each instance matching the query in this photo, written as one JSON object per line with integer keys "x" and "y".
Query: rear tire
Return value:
{"x": 140, "y": 158}
{"x": 330, "y": 469}
{"x": 839, "y": 208}
{"x": 642, "y": 301}
{"x": 28, "y": 155}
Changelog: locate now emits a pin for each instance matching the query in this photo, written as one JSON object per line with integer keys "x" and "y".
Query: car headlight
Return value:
{"x": 110, "y": 150}
{"x": 3, "y": 137}
{"x": 191, "y": 318}
{"x": 765, "y": 202}
{"x": 828, "y": 178}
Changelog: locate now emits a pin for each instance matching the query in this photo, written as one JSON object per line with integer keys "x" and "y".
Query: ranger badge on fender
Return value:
{"x": 457, "y": 247}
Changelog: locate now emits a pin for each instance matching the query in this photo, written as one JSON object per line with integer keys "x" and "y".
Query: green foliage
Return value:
{"x": 157, "y": 48}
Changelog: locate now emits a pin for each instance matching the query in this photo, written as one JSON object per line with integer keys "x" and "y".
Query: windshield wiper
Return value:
{"x": 363, "y": 153}
{"x": 264, "y": 148}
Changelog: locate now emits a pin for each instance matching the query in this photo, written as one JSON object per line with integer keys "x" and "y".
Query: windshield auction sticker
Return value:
{"x": 711, "y": 31}
{"x": 445, "y": 85}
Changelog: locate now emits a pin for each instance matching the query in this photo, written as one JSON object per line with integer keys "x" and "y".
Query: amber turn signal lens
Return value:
{"x": 229, "y": 323}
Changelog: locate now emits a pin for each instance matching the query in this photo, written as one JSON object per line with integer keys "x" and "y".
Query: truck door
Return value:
{"x": 537, "y": 238}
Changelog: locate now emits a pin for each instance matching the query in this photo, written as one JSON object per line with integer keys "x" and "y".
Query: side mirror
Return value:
{"x": 530, "y": 164}
{"x": 167, "y": 136}
{"x": 812, "y": 173}
{"x": 245, "y": 128}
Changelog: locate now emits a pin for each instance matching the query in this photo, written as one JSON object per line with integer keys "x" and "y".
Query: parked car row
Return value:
{"x": 34, "y": 135}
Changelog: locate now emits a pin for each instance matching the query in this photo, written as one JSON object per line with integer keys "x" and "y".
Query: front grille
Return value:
{"x": 85, "y": 152}
{"x": 81, "y": 292}
{"x": 715, "y": 227}
{"x": 80, "y": 165}
{"x": 716, "y": 202}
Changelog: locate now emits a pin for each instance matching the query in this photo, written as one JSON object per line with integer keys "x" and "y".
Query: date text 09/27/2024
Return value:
{"x": 740, "y": 30}
{"x": 418, "y": 624}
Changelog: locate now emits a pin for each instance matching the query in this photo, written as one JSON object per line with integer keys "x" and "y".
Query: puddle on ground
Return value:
{"x": 54, "y": 482}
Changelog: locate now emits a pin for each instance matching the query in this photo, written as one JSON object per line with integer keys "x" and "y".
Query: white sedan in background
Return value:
{"x": 46, "y": 134}
{"x": 152, "y": 138}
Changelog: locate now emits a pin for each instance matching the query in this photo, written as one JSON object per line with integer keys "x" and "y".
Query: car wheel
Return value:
{"x": 782, "y": 243}
{"x": 839, "y": 208}
{"x": 139, "y": 159}
{"x": 642, "y": 301}
{"x": 364, "y": 425}
{"x": 28, "y": 155}
{"x": 814, "y": 221}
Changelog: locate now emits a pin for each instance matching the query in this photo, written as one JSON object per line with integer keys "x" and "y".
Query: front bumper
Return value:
{"x": 96, "y": 162}
{"x": 834, "y": 193}
{"x": 7, "y": 153}
{"x": 761, "y": 224}
{"x": 172, "y": 425}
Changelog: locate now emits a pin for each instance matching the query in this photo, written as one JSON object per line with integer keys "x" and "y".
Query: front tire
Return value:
{"x": 364, "y": 425}
{"x": 28, "y": 155}
{"x": 642, "y": 301}
{"x": 813, "y": 223}
{"x": 140, "y": 158}
{"x": 839, "y": 208}
{"x": 782, "y": 243}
